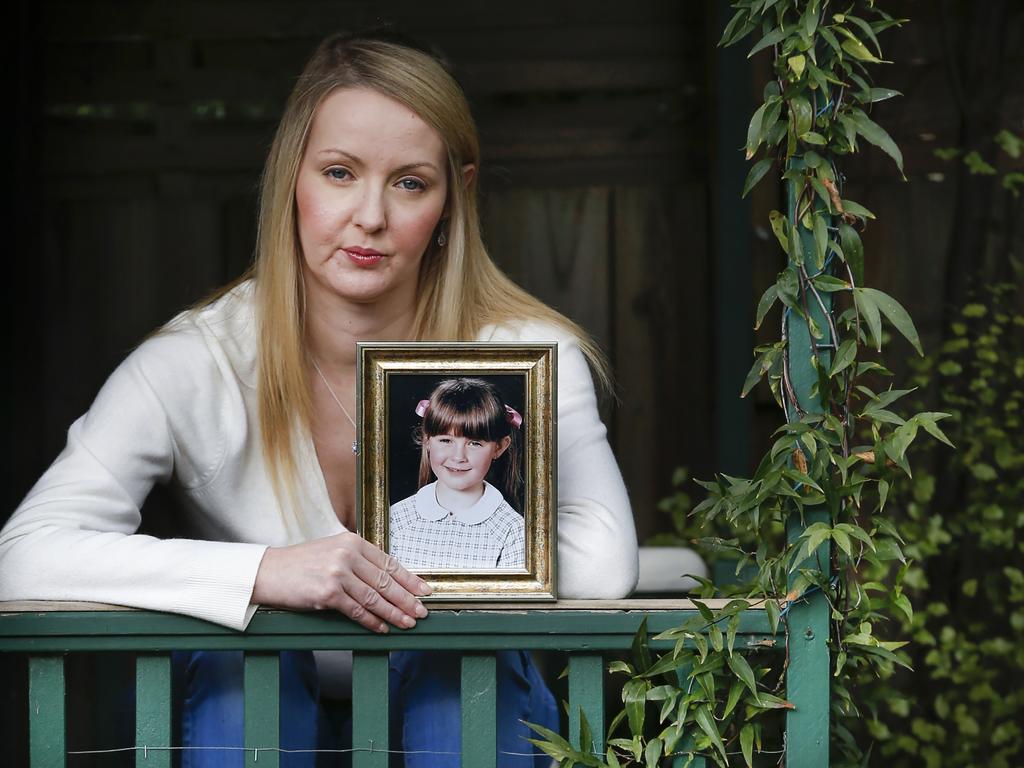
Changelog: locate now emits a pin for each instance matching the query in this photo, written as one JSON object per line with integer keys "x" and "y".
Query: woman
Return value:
{"x": 368, "y": 230}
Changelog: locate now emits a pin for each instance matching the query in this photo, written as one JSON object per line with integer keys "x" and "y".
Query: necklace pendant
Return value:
{"x": 355, "y": 446}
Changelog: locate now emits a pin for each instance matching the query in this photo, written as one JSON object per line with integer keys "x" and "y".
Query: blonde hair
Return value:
{"x": 460, "y": 291}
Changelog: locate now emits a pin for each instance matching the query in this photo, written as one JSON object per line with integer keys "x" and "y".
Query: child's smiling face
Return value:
{"x": 462, "y": 463}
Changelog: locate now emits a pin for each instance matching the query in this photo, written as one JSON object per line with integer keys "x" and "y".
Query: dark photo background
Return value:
{"x": 405, "y": 390}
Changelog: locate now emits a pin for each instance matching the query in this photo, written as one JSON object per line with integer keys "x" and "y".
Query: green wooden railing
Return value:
{"x": 585, "y": 629}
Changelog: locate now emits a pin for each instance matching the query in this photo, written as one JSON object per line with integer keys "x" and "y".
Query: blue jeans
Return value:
{"x": 425, "y": 709}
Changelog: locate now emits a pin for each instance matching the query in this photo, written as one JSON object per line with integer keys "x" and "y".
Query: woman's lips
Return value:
{"x": 364, "y": 257}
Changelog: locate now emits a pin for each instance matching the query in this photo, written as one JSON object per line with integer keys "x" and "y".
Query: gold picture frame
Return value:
{"x": 393, "y": 379}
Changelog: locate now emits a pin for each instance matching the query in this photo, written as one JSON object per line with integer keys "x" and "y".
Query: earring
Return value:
{"x": 441, "y": 239}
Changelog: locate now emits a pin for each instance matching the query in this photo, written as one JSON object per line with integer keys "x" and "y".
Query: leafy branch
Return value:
{"x": 829, "y": 473}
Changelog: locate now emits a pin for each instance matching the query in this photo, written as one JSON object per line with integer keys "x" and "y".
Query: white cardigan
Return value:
{"x": 182, "y": 409}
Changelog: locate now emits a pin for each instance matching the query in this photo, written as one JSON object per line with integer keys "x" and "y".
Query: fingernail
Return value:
{"x": 421, "y": 612}
{"x": 423, "y": 588}
{"x": 408, "y": 622}
{"x": 382, "y": 628}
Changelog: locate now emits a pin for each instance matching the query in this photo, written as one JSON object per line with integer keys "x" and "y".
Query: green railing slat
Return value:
{"x": 153, "y": 710}
{"x": 370, "y": 710}
{"x": 586, "y": 692}
{"x": 262, "y": 705}
{"x": 46, "y": 711}
{"x": 479, "y": 711}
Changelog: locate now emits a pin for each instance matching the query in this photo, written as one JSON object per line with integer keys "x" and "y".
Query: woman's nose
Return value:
{"x": 370, "y": 213}
{"x": 460, "y": 451}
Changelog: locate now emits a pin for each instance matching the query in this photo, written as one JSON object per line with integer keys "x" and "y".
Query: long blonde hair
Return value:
{"x": 460, "y": 291}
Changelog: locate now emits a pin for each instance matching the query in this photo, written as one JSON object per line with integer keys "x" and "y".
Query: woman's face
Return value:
{"x": 371, "y": 190}
{"x": 461, "y": 462}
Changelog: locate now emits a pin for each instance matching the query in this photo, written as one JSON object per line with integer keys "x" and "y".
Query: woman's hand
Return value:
{"x": 345, "y": 573}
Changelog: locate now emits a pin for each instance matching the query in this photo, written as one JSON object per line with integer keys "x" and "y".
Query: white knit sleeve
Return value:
{"x": 597, "y": 549}
{"x": 74, "y": 536}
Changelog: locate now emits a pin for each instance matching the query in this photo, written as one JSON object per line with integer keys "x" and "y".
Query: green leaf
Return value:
{"x": 977, "y": 165}
{"x": 846, "y": 354}
{"x": 896, "y": 315}
{"x": 775, "y": 36}
{"x": 705, "y": 612}
{"x": 634, "y": 696}
{"x": 754, "y": 130}
{"x": 757, "y": 173}
{"x": 717, "y": 641}
{"x": 869, "y": 311}
{"x": 881, "y": 94}
{"x": 706, "y": 721}
{"x": 780, "y": 227}
{"x": 803, "y": 114}
{"x": 856, "y": 209}
{"x": 1010, "y": 143}
{"x": 747, "y": 744}
{"x": 902, "y": 603}
{"x": 771, "y": 607}
{"x": 859, "y": 51}
{"x": 874, "y": 133}
{"x": 735, "y": 690}
{"x": 730, "y": 632}
{"x": 653, "y": 753}
{"x": 742, "y": 670}
{"x": 765, "y": 304}
{"x": 853, "y": 250}
{"x": 797, "y": 64}
{"x": 867, "y": 30}
{"x": 734, "y": 27}
{"x": 557, "y": 747}
{"x": 820, "y": 229}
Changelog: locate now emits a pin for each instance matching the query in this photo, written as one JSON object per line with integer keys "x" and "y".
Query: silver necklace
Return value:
{"x": 330, "y": 389}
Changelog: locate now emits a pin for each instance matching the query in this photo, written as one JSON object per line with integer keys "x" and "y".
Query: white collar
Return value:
{"x": 428, "y": 508}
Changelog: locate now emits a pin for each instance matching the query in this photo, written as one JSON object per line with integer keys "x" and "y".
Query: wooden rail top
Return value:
{"x": 570, "y": 625}
{"x": 630, "y": 604}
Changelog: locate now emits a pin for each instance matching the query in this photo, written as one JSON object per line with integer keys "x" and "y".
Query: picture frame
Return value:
{"x": 495, "y": 549}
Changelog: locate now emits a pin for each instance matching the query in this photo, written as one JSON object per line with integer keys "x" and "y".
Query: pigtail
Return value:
{"x": 508, "y": 478}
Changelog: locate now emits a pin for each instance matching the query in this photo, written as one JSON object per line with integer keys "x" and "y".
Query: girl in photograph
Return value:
{"x": 460, "y": 520}
{"x": 367, "y": 231}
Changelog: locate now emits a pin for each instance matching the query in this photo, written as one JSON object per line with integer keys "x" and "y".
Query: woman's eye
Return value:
{"x": 475, "y": 443}
{"x": 339, "y": 174}
{"x": 412, "y": 185}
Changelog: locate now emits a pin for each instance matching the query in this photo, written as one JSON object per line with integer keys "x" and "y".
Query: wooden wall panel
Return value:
{"x": 554, "y": 242}
{"x": 661, "y": 349}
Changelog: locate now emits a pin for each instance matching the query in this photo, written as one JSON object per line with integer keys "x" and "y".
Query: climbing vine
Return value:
{"x": 810, "y": 526}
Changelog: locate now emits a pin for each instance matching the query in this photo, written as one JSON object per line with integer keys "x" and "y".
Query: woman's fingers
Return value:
{"x": 374, "y": 588}
{"x": 388, "y": 564}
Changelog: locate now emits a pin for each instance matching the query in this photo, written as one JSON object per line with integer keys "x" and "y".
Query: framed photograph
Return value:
{"x": 456, "y": 461}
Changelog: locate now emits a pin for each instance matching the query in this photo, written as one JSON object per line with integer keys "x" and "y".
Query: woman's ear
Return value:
{"x": 468, "y": 174}
{"x": 503, "y": 445}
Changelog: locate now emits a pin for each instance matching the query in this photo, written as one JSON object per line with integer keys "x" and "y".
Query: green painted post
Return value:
{"x": 46, "y": 712}
{"x": 586, "y": 693}
{"x": 480, "y": 711}
{"x": 153, "y": 710}
{"x": 262, "y": 704}
{"x": 807, "y": 676}
{"x": 370, "y": 710}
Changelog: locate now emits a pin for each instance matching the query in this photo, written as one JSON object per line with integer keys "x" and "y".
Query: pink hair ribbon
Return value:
{"x": 514, "y": 417}
{"x": 421, "y": 407}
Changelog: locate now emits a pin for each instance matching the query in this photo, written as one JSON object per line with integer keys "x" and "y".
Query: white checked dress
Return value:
{"x": 425, "y": 535}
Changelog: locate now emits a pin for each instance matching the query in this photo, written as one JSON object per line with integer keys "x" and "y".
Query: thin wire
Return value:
{"x": 283, "y": 750}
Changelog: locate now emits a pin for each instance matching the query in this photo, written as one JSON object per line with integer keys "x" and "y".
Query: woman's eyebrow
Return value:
{"x": 400, "y": 169}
